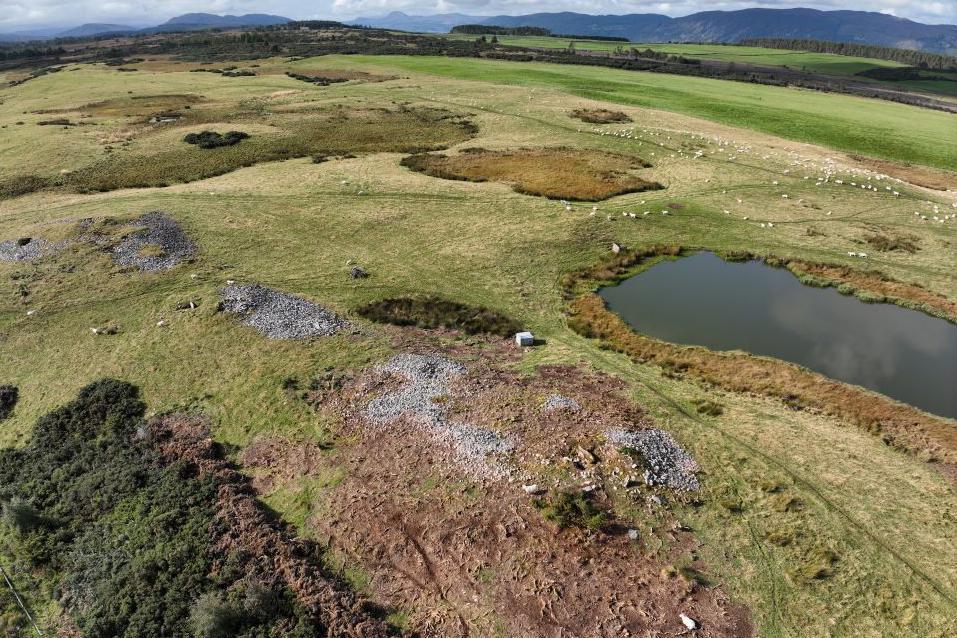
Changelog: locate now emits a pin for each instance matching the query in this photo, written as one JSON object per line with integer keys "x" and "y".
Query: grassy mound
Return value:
{"x": 434, "y": 312}
{"x": 555, "y": 173}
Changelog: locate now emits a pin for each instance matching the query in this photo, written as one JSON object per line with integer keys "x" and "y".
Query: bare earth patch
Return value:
{"x": 555, "y": 173}
{"x": 935, "y": 178}
{"x": 467, "y": 555}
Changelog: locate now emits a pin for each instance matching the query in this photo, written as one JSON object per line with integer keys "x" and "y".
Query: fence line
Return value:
{"x": 13, "y": 590}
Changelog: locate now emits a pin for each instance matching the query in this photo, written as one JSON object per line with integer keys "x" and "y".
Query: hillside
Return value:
{"x": 210, "y": 20}
{"x": 91, "y": 29}
{"x": 711, "y": 26}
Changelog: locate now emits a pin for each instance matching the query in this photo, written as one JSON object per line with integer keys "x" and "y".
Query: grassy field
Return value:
{"x": 870, "y": 127}
{"x": 785, "y": 490}
{"x": 826, "y": 63}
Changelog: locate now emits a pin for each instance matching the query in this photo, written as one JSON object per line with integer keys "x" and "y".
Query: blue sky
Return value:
{"x": 16, "y": 14}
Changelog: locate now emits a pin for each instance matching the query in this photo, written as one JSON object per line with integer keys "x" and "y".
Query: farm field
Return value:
{"x": 805, "y": 523}
{"x": 841, "y": 122}
{"x": 826, "y": 63}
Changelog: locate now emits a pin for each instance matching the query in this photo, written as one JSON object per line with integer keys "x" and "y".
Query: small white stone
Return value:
{"x": 688, "y": 622}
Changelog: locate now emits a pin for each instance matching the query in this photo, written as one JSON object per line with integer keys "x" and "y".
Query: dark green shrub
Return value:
{"x": 21, "y": 185}
{"x": 21, "y": 516}
{"x": 435, "y": 312}
{"x": 212, "y": 139}
{"x": 213, "y": 617}
{"x": 126, "y": 535}
{"x": 9, "y": 395}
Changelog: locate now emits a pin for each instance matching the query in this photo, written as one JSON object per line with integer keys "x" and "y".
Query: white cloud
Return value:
{"x": 16, "y": 14}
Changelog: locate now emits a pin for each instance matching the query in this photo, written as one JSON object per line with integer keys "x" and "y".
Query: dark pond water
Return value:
{"x": 703, "y": 300}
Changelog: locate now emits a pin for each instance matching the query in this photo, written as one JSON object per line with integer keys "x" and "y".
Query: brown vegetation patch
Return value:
{"x": 326, "y": 77}
{"x": 555, "y": 173}
{"x": 600, "y": 116}
{"x": 872, "y": 285}
{"x": 461, "y": 558}
{"x": 889, "y": 243}
{"x": 244, "y": 534}
{"x": 134, "y": 105}
{"x": 897, "y": 424}
{"x": 935, "y": 178}
{"x": 279, "y": 460}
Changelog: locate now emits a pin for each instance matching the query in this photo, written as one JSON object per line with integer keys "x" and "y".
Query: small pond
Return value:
{"x": 706, "y": 301}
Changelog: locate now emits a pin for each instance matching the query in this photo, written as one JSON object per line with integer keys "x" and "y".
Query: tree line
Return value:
{"x": 488, "y": 29}
{"x": 919, "y": 59}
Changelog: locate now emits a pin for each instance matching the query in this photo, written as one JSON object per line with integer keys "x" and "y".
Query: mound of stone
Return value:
{"x": 26, "y": 249}
{"x": 666, "y": 462}
{"x": 427, "y": 380}
{"x": 159, "y": 245}
{"x": 279, "y": 315}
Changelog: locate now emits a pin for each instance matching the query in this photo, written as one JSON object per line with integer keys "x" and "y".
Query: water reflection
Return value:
{"x": 703, "y": 300}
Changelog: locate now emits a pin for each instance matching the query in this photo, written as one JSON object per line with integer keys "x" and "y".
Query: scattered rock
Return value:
{"x": 633, "y": 534}
{"x": 278, "y": 315}
{"x": 27, "y": 249}
{"x": 358, "y": 273}
{"x": 559, "y": 402}
{"x": 667, "y": 463}
{"x": 585, "y": 456}
{"x": 427, "y": 382}
{"x": 161, "y": 245}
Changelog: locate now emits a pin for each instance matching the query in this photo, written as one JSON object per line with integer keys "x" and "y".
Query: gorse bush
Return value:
{"x": 435, "y": 312}
{"x": 21, "y": 185}
{"x": 20, "y": 515}
{"x": 212, "y": 139}
{"x": 9, "y": 395}
{"x": 126, "y": 535}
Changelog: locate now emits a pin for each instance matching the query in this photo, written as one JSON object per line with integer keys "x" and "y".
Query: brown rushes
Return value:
{"x": 556, "y": 173}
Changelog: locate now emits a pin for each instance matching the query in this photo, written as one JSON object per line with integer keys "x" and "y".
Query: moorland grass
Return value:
{"x": 555, "y": 173}
{"x": 335, "y": 132}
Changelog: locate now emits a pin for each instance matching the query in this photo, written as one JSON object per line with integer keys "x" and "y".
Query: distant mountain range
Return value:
{"x": 186, "y": 22}
{"x": 710, "y": 26}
